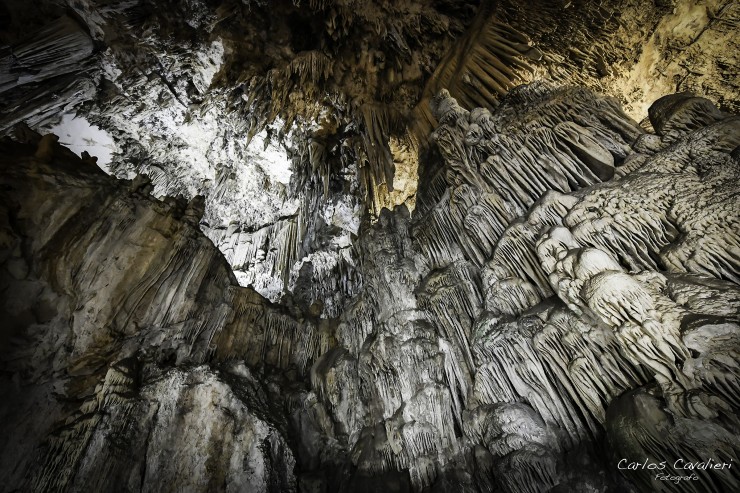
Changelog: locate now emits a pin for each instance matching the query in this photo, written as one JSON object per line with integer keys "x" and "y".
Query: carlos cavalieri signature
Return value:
{"x": 679, "y": 470}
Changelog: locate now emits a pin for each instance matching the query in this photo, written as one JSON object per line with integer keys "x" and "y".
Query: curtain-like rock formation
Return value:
{"x": 560, "y": 312}
{"x": 552, "y": 306}
{"x": 111, "y": 301}
{"x": 495, "y": 352}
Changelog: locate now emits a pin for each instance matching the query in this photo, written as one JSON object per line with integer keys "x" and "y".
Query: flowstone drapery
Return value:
{"x": 564, "y": 297}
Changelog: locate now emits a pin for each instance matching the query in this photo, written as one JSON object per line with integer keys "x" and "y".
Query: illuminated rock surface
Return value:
{"x": 243, "y": 301}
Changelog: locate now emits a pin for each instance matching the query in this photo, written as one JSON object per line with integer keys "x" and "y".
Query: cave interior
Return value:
{"x": 318, "y": 246}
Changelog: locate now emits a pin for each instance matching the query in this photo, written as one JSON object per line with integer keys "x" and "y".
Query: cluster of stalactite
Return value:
{"x": 488, "y": 61}
{"x": 205, "y": 80}
{"x": 567, "y": 278}
{"x": 200, "y": 138}
{"x": 56, "y": 60}
{"x": 669, "y": 37}
{"x": 521, "y": 317}
{"x": 498, "y": 166}
{"x": 597, "y": 276}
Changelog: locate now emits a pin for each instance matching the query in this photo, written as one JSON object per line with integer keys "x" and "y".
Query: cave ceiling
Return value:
{"x": 287, "y": 112}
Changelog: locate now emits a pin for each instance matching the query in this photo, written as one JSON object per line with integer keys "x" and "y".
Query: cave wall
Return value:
{"x": 113, "y": 302}
{"x": 550, "y": 287}
{"x": 526, "y": 327}
{"x": 509, "y": 344}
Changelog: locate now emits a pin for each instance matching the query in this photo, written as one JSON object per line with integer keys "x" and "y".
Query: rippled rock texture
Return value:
{"x": 563, "y": 297}
{"x": 338, "y": 246}
{"x": 113, "y": 301}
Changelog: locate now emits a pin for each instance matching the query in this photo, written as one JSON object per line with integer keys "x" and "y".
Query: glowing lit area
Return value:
{"x": 79, "y": 135}
{"x": 271, "y": 157}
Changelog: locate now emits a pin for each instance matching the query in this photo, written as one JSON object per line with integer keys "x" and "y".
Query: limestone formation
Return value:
{"x": 370, "y": 246}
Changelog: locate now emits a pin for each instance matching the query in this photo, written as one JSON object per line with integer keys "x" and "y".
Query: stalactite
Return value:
{"x": 358, "y": 325}
{"x": 521, "y": 444}
{"x": 509, "y": 165}
{"x": 58, "y": 53}
{"x": 513, "y": 287}
{"x": 489, "y": 61}
{"x": 515, "y": 367}
{"x": 449, "y": 296}
{"x": 380, "y": 123}
{"x": 587, "y": 361}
